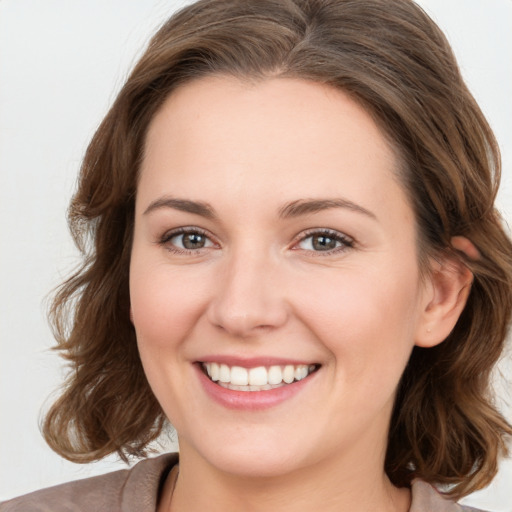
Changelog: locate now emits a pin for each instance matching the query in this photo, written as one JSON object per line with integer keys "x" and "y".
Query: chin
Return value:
{"x": 258, "y": 457}
{"x": 257, "y": 464}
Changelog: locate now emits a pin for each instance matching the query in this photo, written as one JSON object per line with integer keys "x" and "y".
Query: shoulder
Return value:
{"x": 426, "y": 498}
{"x": 134, "y": 489}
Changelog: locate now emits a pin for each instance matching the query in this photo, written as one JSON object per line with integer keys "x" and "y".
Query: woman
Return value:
{"x": 295, "y": 260}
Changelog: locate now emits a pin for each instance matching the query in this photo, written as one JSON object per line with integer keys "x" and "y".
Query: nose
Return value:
{"x": 249, "y": 297}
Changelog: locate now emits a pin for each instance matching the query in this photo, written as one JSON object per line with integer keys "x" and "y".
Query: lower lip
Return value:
{"x": 251, "y": 400}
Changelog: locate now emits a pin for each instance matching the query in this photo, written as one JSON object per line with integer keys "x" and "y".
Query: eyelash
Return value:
{"x": 345, "y": 241}
{"x": 166, "y": 238}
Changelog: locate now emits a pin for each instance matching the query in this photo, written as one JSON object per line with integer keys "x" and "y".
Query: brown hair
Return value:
{"x": 392, "y": 59}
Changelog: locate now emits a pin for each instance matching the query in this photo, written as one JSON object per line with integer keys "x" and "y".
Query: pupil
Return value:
{"x": 324, "y": 243}
{"x": 193, "y": 241}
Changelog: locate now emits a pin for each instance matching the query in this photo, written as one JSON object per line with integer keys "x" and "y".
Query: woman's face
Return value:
{"x": 273, "y": 245}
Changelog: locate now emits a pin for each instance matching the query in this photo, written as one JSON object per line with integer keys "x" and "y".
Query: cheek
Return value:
{"x": 366, "y": 319}
{"x": 165, "y": 307}
{"x": 165, "y": 304}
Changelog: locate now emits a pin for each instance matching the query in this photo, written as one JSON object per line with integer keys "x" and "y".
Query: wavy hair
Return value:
{"x": 390, "y": 57}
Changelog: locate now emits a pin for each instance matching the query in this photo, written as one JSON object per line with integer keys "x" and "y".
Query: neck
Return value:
{"x": 327, "y": 486}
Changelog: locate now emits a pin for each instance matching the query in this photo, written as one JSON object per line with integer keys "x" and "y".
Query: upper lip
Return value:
{"x": 253, "y": 362}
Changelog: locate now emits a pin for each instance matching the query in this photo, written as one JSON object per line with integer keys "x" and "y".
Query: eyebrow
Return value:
{"x": 308, "y": 206}
{"x": 289, "y": 210}
{"x": 184, "y": 205}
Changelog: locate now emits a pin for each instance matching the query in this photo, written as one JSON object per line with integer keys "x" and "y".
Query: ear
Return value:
{"x": 445, "y": 294}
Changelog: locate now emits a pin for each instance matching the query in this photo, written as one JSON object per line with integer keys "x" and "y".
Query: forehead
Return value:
{"x": 293, "y": 110}
{"x": 283, "y": 137}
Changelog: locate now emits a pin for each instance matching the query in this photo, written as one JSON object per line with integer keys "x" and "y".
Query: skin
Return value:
{"x": 258, "y": 288}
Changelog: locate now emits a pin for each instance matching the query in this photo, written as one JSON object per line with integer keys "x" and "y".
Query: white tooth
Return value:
{"x": 239, "y": 376}
{"x": 224, "y": 373}
{"x": 288, "y": 373}
{"x": 275, "y": 375}
{"x": 208, "y": 368}
{"x": 258, "y": 376}
{"x": 301, "y": 372}
{"x": 214, "y": 367}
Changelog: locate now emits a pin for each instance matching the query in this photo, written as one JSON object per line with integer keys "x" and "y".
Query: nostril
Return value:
{"x": 247, "y": 298}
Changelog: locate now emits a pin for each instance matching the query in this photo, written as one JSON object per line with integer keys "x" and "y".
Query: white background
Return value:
{"x": 61, "y": 63}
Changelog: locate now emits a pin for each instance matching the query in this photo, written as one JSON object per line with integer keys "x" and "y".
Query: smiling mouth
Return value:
{"x": 260, "y": 378}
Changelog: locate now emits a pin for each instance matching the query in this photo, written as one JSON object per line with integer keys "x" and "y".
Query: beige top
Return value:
{"x": 137, "y": 490}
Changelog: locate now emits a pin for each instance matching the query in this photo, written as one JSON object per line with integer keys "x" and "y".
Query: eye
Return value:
{"x": 325, "y": 241}
{"x": 186, "y": 240}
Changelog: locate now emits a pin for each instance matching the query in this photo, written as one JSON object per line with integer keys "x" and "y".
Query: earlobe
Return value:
{"x": 447, "y": 291}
